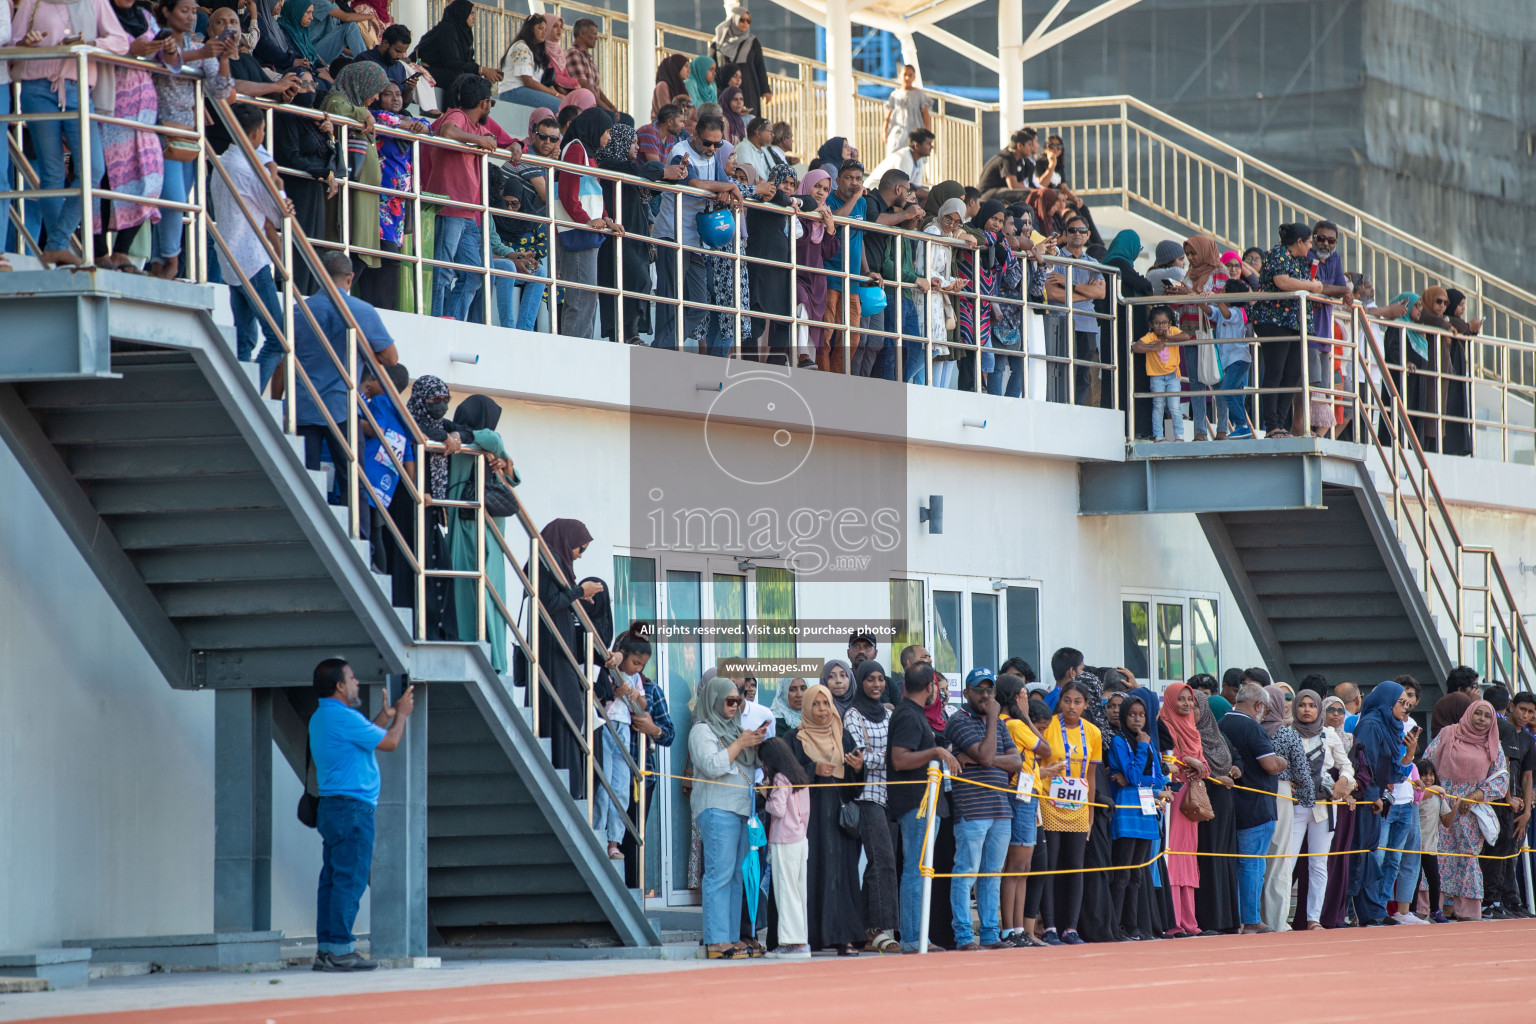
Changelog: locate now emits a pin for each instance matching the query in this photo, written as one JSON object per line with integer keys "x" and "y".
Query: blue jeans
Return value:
{"x": 457, "y": 240}
{"x": 910, "y": 893}
{"x": 346, "y": 826}
{"x": 607, "y": 816}
{"x": 1166, "y": 383}
{"x": 724, "y": 835}
{"x": 329, "y": 37}
{"x": 169, "y": 229}
{"x": 914, "y": 369}
{"x": 502, "y": 287}
{"x": 1234, "y": 376}
{"x": 1006, "y": 367}
{"x": 5, "y": 177}
{"x": 528, "y": 303}
{"x": 1253, "y": 844}
{"x": 981, "y": 845}
{"x": 1381, "y": 865}
{"x": 526, "y": 96}
{"x": 61, "y": 216}
{"x": 1408, "y": 866}
{"x": 247, "y": 319}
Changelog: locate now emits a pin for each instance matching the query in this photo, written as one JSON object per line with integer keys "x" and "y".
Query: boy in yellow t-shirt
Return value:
{"x": 1162, "y": 352}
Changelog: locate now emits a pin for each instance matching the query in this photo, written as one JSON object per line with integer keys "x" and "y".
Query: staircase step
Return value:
{"x": 229, "y": 562}
{"x": 505, "y": 880}
{"x": 1321, "y": 582}
{"x": 137, "y": 497}
{"x": 475, "y": 789}
{"x": 137, "y": 422}
{"x": 485, "y": 820}
{"x": 1325, "y": 605}
{"x": 1355, "y": 652}
{"x": 1358, "y": 628}
{"x": 1342, "y": 556}
{"x": 186, "y": 458}
{"x": 1296, "y": 535}
{"x": 444, "y": 759}
{"x": 158, "y": 385}
{"x": 262, "y": 597}
{"x": 176, "y": 530}
{"x": 542, "y": 910}
{"x": 258, "y": 632}
{"x": 493, "y": 851}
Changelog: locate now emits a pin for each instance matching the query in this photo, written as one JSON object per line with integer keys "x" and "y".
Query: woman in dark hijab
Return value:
{"x": 1124, "y": 248}
{"x": 428, "y": 407}
{"x": 635, "y": 209}
{"x": 670, "y": 73}
{"x": 567, "y": 540}
{"x": 831, "y": 155}
{"x": 448, "y": 48}
{"x": 866, "y": 721}
{"x": 1378, "y": 733}
{"x": 273, "y": 49}
{"x": 1455, "y": 391}
{"x": 475, "y": 421}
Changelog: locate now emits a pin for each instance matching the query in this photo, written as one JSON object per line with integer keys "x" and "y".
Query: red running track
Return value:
{"x": 1403, "y": 975}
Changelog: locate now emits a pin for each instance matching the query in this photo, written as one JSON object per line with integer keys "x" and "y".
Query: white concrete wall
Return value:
{"x": 106, "y": 773}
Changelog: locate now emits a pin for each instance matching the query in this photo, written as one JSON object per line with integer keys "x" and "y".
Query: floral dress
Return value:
{"x": 395, "y": 160}
{"x": 135, "y": 164}
{"x": 1461, "y": 875}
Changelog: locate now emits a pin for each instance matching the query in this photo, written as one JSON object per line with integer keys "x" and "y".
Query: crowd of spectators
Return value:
{"x": 1091, "y": 808}
{"x": 983, "y": 305}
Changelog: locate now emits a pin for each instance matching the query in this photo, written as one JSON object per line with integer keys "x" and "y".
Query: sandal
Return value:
{"x": 754, "y": 948}
{"x": 1315, "y": 926}
{"x": 1278, "y": 435}
{"x": 885, "y": 942}
{"x": 731, "y": 953}
{"x": 846, "y": 949}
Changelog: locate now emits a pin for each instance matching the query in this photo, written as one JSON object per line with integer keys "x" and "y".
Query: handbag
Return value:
{"x": 1208, "y": 367}
{"x": 848, "y": 819}
{"x": 499, "y": 501}
{"x": 590, "y": 196}
{"x": 309, "y": 804}
{"x": 1195, "y": 802}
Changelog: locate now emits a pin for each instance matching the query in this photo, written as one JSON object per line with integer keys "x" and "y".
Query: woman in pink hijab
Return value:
{"x": 554, "y": 45}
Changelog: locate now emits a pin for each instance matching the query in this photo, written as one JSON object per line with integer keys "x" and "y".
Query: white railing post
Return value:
{"x": 930, "y": 830}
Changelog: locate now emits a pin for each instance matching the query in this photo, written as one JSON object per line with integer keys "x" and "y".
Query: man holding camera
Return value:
{"x": 890, "y": 203}
{"x": 343, "y": 743}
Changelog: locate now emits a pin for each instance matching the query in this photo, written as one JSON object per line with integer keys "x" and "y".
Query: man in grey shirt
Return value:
{"x": 698, "y": 153}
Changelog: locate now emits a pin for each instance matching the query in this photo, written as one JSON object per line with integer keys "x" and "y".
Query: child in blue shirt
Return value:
{"x": 1134, "y": 766}
{"x": 1227, "y": 321}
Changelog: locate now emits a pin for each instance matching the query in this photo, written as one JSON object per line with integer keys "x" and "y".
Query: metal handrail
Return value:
{"x": 1193, "y": 200}
{"x": 345, "y": 434}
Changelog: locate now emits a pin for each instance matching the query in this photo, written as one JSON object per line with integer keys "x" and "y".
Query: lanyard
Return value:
{"x": 1082, "y": 738}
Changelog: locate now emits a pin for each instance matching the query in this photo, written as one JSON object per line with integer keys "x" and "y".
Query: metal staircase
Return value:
{"x": 1343, "y": 556}
{"x": 194, "y": 509}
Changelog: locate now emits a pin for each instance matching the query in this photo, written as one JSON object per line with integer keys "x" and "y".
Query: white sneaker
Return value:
{"x": 1408, "y": 917}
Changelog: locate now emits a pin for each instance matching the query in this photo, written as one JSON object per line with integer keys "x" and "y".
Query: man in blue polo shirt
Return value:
{"x": 342, "y": 742}
{"x": 983, "y": 816}
{"x": 321, "y": 369}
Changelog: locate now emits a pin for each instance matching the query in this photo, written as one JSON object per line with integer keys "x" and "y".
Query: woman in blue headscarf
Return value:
{"x": 1377, "y": 749}
{"x": 1123, "y": 251}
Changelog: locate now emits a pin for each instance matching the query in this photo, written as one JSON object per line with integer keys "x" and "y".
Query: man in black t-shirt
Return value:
{"x": 1010, "y": 175}
{"x": 912, "y": 745}
{"x": 1501, "y": 897}
{"x": 1252, "y": 752}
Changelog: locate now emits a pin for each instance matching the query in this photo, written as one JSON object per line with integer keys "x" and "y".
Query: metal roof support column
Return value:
{"x": 1010, "y": 70}
{"x": 642, "y": 54}
{"x": 840, "y": 85}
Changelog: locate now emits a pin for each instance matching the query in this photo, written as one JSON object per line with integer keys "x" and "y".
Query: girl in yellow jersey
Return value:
{"x": 1066, "y": 814}
{"x": 1026, "y": 785}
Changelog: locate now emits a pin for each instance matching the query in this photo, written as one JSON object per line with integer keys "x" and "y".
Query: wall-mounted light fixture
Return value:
{"x": 933, "y": 513}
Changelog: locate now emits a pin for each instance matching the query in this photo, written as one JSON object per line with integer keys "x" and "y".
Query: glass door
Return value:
{"x": 1169, "y": 637}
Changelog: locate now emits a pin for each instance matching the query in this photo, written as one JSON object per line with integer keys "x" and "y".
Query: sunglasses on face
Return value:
{"x": 1325, "y": 240}
{"x": 547, "y": 138}
{"x": 1077, "y": 231}
{"x": 733, "y": 702}
{"x": 709, "y": 145}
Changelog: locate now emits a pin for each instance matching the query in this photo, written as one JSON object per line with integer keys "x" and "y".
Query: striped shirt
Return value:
{"x": 874, "y": 738}
{"x": 965, "y": 729}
